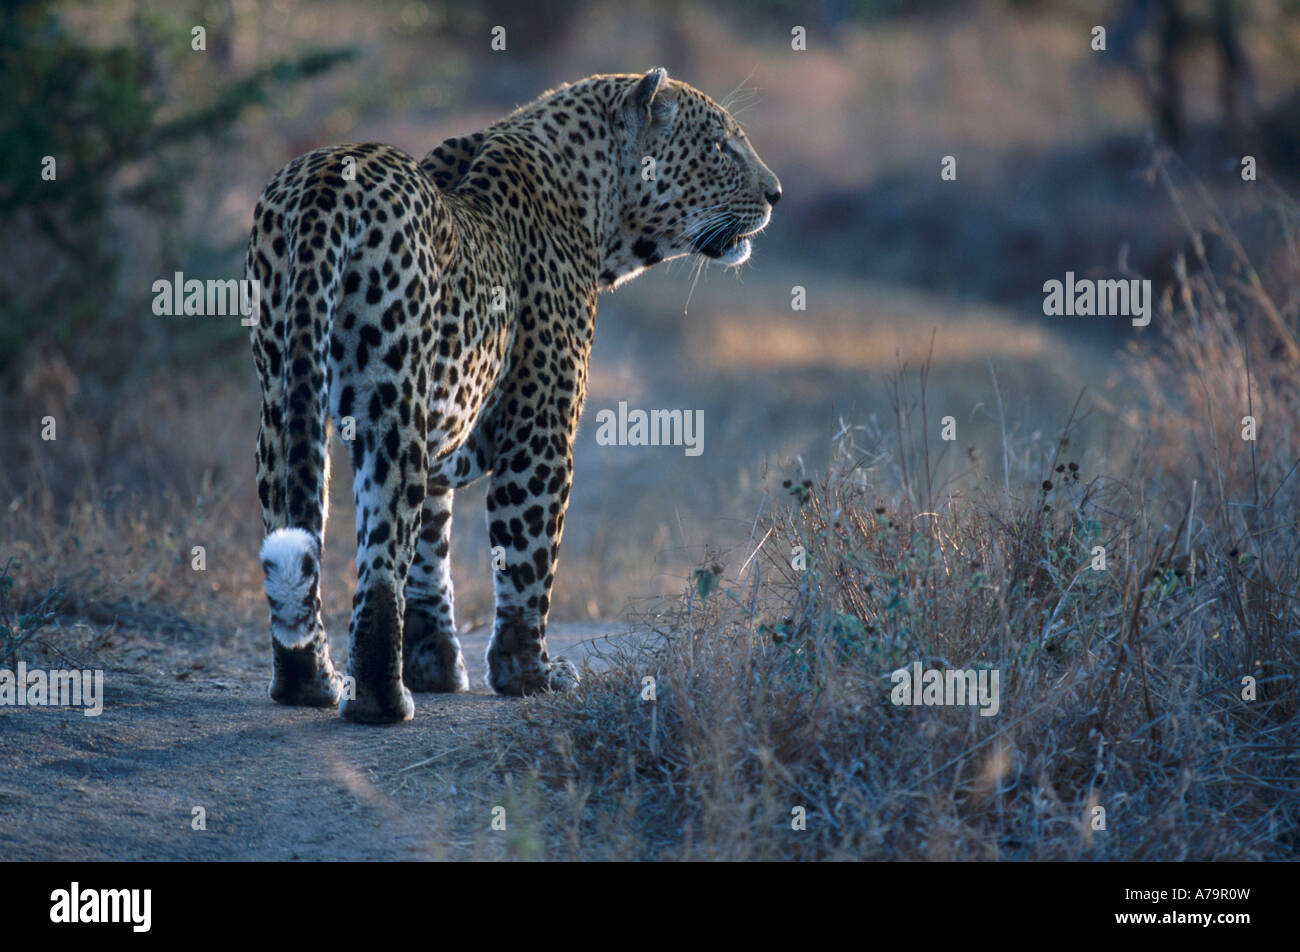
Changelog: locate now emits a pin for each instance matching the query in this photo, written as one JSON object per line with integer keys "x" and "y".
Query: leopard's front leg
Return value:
{"x": 431, "y": 655}
{"x": 525, "y": 513}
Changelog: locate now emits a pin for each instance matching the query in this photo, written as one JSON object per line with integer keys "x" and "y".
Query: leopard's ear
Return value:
{"x": 448, "y": 163}
{"x": 646, "y": 102}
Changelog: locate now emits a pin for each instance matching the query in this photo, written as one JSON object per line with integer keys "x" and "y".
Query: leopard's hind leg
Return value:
{"x": 291, "y": 434}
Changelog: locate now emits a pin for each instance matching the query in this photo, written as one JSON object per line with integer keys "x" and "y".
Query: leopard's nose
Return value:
{"x": 774, "y": 195}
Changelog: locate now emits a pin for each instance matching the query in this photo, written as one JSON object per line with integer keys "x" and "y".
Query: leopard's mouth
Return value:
{"x": 737, "y": 251}
{"x": 731, "y": 245}
{"x": 723, "y": 246}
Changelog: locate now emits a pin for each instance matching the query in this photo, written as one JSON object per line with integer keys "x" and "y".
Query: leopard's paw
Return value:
{"x": 436, "y": 665}
{"x": 391, "y": 705}
{"x": 508, "y": 676}
{"x": 304, "y": 677}
{"x": 431, "y": 656}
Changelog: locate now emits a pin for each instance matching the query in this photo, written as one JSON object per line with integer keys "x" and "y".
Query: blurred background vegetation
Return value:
{"x": 162, "y": 149}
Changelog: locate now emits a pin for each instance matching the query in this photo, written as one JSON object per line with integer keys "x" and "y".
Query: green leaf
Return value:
{"x": 706, "y": 580}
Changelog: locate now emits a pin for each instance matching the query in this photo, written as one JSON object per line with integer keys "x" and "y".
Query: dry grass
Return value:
{"x": 100, "y": 525}
{"x": 1119, "y": 688}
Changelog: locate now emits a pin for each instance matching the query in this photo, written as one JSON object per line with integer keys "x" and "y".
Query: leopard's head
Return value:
{"x": 689, "y": 181}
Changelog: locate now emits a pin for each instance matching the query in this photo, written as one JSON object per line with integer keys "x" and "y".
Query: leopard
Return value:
{"x": 437, "y": 316}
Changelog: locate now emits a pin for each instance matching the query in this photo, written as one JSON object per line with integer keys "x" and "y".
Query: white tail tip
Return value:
{"x": 291, "y": 560}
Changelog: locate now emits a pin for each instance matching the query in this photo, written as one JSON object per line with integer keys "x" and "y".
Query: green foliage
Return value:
{"x": 706, "y": 579}
{"x": 111, "y": 121}
{"x": 18, "y": 626}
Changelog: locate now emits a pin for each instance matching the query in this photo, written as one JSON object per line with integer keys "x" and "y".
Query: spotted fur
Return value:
{"x": 441, "y": 314}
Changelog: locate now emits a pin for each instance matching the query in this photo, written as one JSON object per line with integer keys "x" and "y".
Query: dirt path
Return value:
{"x": 276, "y": 783}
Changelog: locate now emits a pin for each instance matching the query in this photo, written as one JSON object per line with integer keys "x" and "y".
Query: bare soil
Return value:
{"x": 275, "y": 783}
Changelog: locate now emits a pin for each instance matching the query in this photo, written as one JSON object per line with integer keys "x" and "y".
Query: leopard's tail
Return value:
{"x": 291, "y": 554}
{"x": 291, "y": 560}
